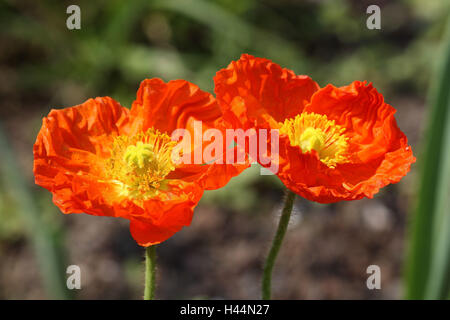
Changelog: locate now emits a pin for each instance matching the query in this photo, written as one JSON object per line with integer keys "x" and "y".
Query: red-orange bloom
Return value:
{"x": 335, "y": 143}
{"x": 103, "y": 159}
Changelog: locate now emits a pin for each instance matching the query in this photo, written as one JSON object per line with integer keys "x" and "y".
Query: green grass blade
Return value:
{"x": 428, "y": 269}
{"x": 45, "y": 241}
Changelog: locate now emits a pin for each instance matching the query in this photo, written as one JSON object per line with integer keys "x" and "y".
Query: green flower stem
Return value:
{"x": 150, "y": 270}
{"x": 276, "y": 244}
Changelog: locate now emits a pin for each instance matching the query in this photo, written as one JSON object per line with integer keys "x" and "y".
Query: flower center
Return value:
{"x": 140, "y": 155}
{"x": 139, "y": 164}
{"x": 311, "y": 131}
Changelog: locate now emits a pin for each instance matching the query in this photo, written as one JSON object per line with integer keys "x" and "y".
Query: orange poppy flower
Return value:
{"x": 103, "y": 159}
{"x": 335, "y": 143}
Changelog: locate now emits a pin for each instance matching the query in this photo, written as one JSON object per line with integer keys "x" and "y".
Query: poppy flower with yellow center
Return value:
{"x": 103, "y": 159}
{"x": 334, "y": 143}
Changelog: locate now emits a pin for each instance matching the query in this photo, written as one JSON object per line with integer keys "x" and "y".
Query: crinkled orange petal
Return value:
{"x": 68, "y": 152}
{"x": 146, "y": 234}
{"x": 361, "y": 109}
{"x": 176, "y": 105}
{"x": 255, "y": 92}
{"x": 172, "y": 208}
{"x": 164, "y": 217}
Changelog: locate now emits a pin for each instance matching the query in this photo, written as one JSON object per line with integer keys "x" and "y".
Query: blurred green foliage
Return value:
{"x": 120, "y": 43}
{"x": 45, "y": 238}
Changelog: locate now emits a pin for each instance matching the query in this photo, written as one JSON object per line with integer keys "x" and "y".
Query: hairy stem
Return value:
{"x": 276, "y": 244}
{"x": 150, "y": 270}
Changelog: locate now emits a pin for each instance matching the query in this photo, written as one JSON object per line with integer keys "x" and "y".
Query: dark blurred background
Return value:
{"x": 43, "y": 65}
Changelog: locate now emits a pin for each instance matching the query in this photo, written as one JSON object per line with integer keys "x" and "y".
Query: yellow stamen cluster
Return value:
{"x": 311, "y": 131}
{"x": 139, "y": 164}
